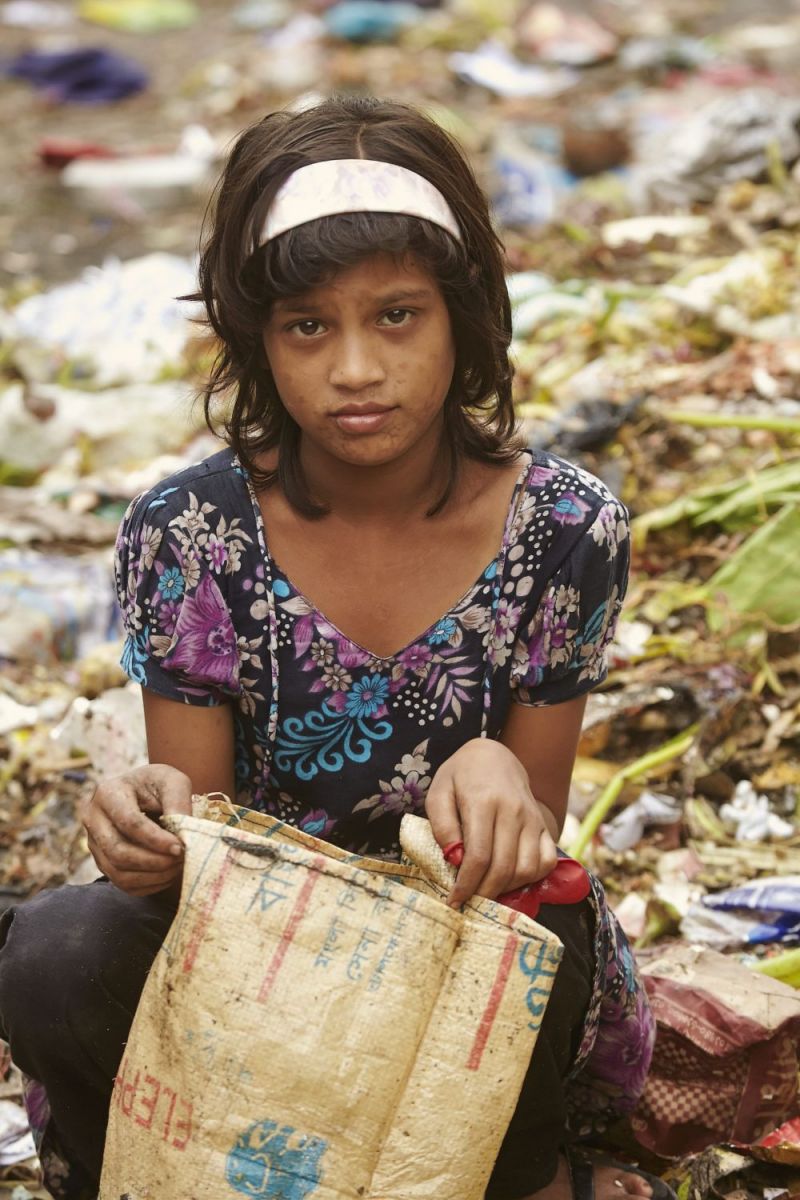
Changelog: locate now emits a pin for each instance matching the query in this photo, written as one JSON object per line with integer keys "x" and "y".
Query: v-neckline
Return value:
{"x": 272, "y": 565}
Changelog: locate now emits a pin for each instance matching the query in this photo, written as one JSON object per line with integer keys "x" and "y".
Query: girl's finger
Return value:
{"x": 531, "y": 865}
{"x": 112, "y": 850}
{"x": 478, "y": 840}
{"x": 121, "y": 804}
{"x": 442, "y": 812}
{"x": 499, "y": 877}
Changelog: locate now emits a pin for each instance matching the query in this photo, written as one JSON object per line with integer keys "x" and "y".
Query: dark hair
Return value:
{"x": 239, "y": 281}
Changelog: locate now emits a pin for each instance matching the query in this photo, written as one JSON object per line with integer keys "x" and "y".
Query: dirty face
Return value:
{"x": 363, "y": 363}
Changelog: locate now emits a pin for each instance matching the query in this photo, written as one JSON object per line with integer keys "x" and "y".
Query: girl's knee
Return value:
{"x": 59, "y": 948}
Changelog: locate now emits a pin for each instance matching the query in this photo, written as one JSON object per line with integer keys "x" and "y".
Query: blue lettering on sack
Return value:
{"x": 273, "y": 1162}
{"x": 536, "y": 962}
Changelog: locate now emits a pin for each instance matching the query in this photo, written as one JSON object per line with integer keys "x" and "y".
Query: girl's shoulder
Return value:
{"x": 559, "y": 506}
{"x": 217, "y": 486}
{"x": 550, "y": 476}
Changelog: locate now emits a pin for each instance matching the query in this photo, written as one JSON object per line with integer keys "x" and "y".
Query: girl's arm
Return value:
{"x": 506, "y": 800}
{"x": 191, "y": 749}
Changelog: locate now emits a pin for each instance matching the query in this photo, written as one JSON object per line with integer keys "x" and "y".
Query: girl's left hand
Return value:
{"x": 481, "y": 796}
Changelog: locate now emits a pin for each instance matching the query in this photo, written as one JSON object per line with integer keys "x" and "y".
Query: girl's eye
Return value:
{"x": 306, "y": 328}
{"x": 397, "y": 316}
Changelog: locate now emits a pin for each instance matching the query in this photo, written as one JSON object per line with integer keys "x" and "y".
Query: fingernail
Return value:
{"x": 177, "y": 850}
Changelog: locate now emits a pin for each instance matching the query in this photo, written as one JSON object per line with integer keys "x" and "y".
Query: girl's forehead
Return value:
{"x": 375, "y": 276}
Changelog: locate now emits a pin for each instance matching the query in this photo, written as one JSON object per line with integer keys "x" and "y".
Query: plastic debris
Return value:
{"x": 370, "y": 20}
{"x": 529, "y": 183}
{"x": 16, "y": 1143}
{"x": 110, "y": 729}
{"x": 121, "y": 320}
{"x": 725, "y": 1061}
{"x": 494, "y": 67}
{"x": 86, "y": 76}
{"x": 262, "y": 14}
{"x": 54, "y": 608}
{"x": 558, "y": 36}
{"x": 628, "y": 826}
{"x": 142, "y": 182}
{"x": 642, "y": 230}
{"x": 36, "y": 14}
{"x": 751, "y": 816}
{"x": 729, "y": 139}
{"x": 139, "y": 16}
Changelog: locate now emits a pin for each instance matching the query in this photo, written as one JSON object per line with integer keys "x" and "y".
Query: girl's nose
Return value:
{"x": 355, "y": 364}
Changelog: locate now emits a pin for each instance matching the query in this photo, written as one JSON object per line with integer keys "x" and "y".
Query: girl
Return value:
{"x": 374, "y": 601}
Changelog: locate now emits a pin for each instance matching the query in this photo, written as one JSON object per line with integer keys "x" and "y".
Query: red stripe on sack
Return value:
{"x": 198, "y": 933}
{"x": 292, "y": 925}
{"x": 493, "y": 1003}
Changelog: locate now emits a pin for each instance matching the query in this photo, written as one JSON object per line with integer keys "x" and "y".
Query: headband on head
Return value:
{"x": 347, "y": 185}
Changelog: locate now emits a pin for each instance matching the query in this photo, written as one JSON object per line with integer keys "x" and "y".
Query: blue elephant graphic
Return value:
{"x": 273, "y": 1162}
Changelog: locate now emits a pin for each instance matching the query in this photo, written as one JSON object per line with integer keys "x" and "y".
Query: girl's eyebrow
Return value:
{"x": 296, "y": 304}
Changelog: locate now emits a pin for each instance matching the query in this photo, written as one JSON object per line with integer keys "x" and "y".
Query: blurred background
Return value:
{"x": 643, "y": 162}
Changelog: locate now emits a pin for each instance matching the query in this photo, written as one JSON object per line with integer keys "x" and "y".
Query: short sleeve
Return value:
{"x": 180, "y": 639}
{"x": 561, "y": 652}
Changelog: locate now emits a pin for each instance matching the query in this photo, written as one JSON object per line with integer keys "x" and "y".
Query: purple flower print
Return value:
{"x": 622, "y": 1054}
{"x": 205, "y": 640}
{"x": 417, "y": 659}
{"x": 542, "y": 475}
{"x": 317, "y": 823}
{"x": 216, "y": 552}
{"x": 405, "y": 795}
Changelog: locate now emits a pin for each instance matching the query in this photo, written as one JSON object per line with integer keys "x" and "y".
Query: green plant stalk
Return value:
{"x": 610, "y": 794}
{"x": 703, "y": 420}
{"x": 784, "y": 966}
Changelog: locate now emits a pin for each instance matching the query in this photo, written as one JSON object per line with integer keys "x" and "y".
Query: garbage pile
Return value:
{"x": 644, "y": 166}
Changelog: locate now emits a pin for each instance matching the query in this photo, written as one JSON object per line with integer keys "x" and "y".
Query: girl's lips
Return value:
{"x": 363, "y": 422}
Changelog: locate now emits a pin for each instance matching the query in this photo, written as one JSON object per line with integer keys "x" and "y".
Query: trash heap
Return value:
{"x": 644, "y": 166}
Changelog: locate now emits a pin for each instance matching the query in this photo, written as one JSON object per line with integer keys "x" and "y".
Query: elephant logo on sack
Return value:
{"x": 274, "y": 1162}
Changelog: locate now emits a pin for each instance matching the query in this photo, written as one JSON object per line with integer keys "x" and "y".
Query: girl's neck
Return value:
{"x": 394, "y": 492}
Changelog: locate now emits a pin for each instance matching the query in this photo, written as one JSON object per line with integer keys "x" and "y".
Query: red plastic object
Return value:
{"x": 567, "y": 883}
{"x": 58, "y": 152}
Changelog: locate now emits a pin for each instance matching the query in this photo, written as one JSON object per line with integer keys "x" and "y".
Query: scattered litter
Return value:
{"x": 558, "y": 36}
{"x": 529, "y": 183}
{"x": 121, "y": 320}
{"x": 139, "y": 16}
{"x": 731, "y": 138}
{"x": 54, "y": 608}
{"x": 109, "y": 729}
{"x": 87, "y": 76}
{"x": 370, "y": 20}
{"x": 725, "y": 1062}
{"x": 628, "y": 826}
{"x": 36, "y": 14}
{"x": 16, "y": 1143}
{"x": 494, "y": 67}
{"x": 642, "y": 230}
{"x": 262, "y": 14}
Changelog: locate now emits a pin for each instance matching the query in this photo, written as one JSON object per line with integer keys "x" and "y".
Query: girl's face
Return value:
{"x": 363, "y": 363}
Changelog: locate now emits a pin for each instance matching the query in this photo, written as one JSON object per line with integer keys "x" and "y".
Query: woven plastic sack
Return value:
{"x": 319, "y": 1024}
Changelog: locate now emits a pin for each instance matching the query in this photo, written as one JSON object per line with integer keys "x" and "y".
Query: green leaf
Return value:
{"x": 763, "y": 576}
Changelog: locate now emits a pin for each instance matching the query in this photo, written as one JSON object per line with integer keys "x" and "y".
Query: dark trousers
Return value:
{"x": 73, "y": 963}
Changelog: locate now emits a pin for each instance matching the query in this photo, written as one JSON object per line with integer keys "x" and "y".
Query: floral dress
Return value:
{"x": 341, "y": 741}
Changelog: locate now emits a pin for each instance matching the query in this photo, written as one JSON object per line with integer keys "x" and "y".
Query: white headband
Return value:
{"x": 346, "y": 185}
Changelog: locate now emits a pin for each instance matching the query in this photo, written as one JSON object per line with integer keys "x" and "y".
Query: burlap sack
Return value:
{"x": 322, "y": 1025}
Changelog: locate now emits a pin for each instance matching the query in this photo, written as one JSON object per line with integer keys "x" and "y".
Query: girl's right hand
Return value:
{"x": 126, "y": 841}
